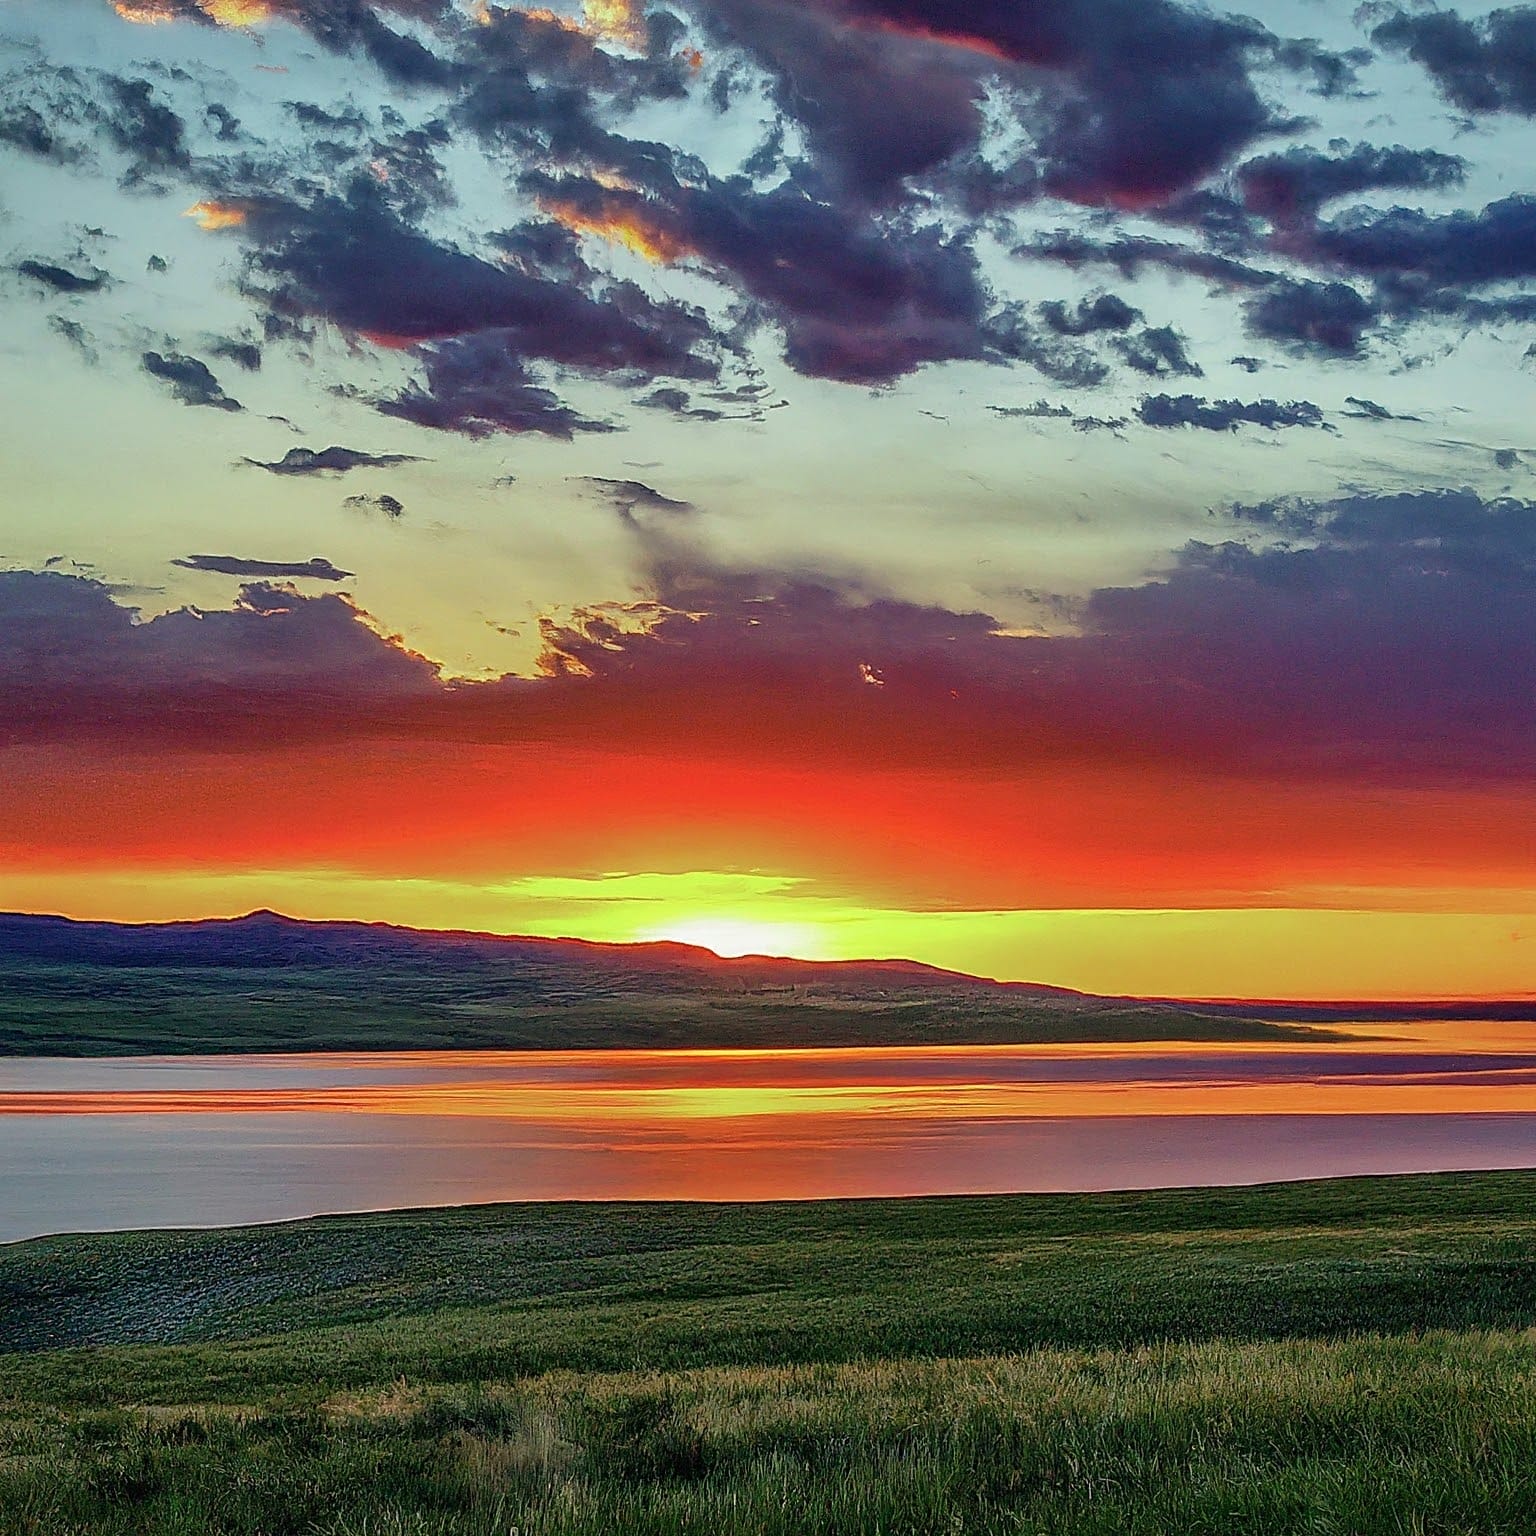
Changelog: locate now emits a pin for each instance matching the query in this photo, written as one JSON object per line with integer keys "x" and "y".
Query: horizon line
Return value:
{"x": 1443, "y": 1000}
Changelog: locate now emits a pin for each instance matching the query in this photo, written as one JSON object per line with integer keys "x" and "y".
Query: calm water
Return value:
{"x": 173, "y": 1141}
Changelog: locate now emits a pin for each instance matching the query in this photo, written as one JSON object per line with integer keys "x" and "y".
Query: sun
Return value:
{"x": 732, "y": 937}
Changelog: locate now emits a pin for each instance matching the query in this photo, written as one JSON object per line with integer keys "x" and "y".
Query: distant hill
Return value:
{"x": 266, "y": 938}
{"x": 265, "y": 982}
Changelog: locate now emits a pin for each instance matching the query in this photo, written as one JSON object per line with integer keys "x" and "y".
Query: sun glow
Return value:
{"x": 730, "y": 937}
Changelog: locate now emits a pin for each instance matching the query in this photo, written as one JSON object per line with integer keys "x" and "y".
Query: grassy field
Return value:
{"x": 59, "y": 1009}
{"x": 1350, "y": 1357}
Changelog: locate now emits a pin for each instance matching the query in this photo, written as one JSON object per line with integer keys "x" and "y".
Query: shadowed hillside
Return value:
{"x": 270, "y": 983}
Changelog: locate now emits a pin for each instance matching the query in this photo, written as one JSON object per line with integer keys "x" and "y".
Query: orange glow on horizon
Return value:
{"x": 1112, "y": 882}
{"x": 634, "y": 1089}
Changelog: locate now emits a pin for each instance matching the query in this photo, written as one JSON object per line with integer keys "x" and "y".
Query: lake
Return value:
{"x": 109, "y": 1143}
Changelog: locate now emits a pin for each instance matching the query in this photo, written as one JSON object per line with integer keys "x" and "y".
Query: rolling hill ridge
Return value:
{"x": 267, "y": 982}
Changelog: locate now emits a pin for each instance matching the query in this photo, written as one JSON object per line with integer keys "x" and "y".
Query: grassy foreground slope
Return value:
{"x": 1351, "y": 1357}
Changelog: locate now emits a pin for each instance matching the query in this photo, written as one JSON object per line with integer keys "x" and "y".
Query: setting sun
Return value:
{"x": 730, "y": 937}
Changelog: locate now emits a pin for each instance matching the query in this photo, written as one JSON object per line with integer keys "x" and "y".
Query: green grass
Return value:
{"x": 1436, "y": 1434}
{"x": 1348, "y": 1357}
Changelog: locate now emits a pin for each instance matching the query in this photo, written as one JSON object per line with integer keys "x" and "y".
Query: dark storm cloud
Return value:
{"x": 329, "y": 461}
{"x": 1157, "y": 96}
{"x": 852, "y": 233}
{"x": 505, "y": 106}
{"x": 1387, "y": 636}
{"x": 243, "y": 354}
{"x": 401, "y": 58}
{"x": 142, "y": 126}
{"x": 1464, "y": 249}
{"x": 1396, "y": 643}
{"x": 62, "y": 279}
{"x": 410, "y": 165}
{"x": 1101, "y": 312}
{"x": 1156, "y": 351}
{"x": 1129, "y": 254}
{"x": 313, "y": 569}
{"x": 479, "y": 385}
{"x": 1488, "y": 65}
{"x": 310, "y": 115}
{"x": 354, "y": 262}
{"x": 343, "y": 26}
{"x": 1402, "y": 264}
{"x": 857, "y": 300}
{"x": 276, "y": 664}
{"x": 191, "y": 380}
{"x": 1292, "y": 185}
{"x": 1332, "y": 318}
{"x": 544, "y": 247}
{"x": 1395, "y": 640}
{"x": 1129, "y": 101}
{"x": 1435, "y": 531}
{"x": 533, "y": 88}
{"x": 679, "y": 403}
{"x": 226, "y": 126}
{"x": 526, "y": 74}
{"x": 65, "y": 114}
{"x": 852, "y": 90}
{"x": 1225, "y": 415}
{"x": 24, "y": 127}
{"x": 1008, "y": 335}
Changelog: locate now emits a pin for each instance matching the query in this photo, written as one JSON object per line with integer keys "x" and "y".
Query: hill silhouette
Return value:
{"x": 268, "y": 982}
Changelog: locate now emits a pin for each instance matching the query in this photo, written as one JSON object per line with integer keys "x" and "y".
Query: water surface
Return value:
{"x": 170, "y": 1141}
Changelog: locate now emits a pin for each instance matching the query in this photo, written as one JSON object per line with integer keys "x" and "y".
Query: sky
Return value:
{"x": 1043, "y": 489}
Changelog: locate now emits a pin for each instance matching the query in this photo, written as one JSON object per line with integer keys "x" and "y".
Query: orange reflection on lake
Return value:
{"x": 1442, "y": 1068}
{"x": 195, "y": 1140}
{"x": 637, "y": 1104}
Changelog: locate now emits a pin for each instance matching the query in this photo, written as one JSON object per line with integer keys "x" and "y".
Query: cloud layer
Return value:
{"x": 898, "y": 137}
{"x": 1375, "y": 635}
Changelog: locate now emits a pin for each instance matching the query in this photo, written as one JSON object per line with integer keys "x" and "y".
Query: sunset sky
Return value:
{"x": 1045, "y": 489}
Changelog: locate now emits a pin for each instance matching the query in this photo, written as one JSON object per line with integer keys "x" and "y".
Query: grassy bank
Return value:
{"x": 49, "y": 1009}
{"x": 1354, "y": 1357}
